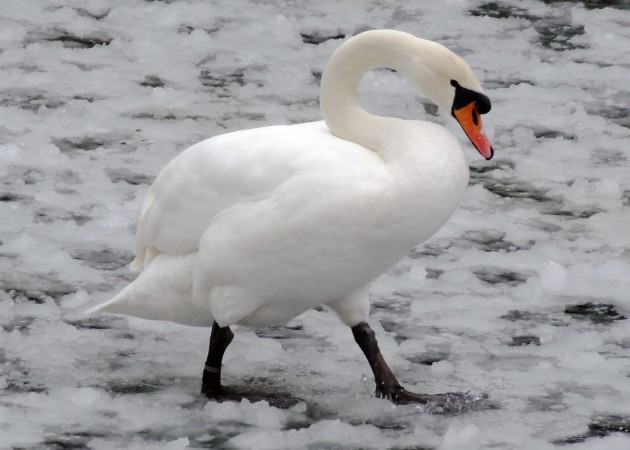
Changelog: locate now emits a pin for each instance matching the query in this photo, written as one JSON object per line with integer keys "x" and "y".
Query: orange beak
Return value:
{"x": 470, "y": 120}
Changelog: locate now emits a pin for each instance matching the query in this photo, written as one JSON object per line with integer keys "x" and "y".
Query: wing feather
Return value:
{"x": 217, "y": 174}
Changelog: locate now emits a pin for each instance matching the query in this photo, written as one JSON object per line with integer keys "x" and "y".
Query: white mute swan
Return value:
{"x": 257, "y": 226}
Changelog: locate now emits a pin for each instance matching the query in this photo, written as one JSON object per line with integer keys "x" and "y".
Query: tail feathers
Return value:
{"x": 101, "y": 308}
{"x": 143, "y": 257}
{"x": 137, "y": 263}
{"x": 117, "y": 305}
{"x": 162, "y": 291}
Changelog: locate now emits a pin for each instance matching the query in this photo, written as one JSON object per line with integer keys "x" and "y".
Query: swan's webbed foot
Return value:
{"x": 401, "y": 396}
{"x": 388, "y": 387}
{"x": 221, "y": 395}
{"x": 451, "y": 402}
{"x": 211, "y": 384}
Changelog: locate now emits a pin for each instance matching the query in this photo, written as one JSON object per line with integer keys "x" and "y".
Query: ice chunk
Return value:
{"x": 461, "y": 436}
{"x": 259, "y": 414}
{"x": 442, "y": 368}
{"x": 85, "y": 396}
{"x": 418, "y": 273}
{"x": 553, "y": 276}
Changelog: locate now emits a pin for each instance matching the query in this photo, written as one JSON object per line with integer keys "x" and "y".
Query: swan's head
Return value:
{"x": 454, "y": 87}
{"x": 467, "y": 107}
{"x": 440, "y": 74}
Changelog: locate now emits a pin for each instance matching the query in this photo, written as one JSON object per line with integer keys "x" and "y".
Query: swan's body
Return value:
{"x": 257, "y": 226}
{"x": 251, "y": 228}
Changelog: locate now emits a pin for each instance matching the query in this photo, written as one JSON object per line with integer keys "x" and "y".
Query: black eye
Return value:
{"x": 475, "y": 117}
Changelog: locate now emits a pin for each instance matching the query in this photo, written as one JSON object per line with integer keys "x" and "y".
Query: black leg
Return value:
{"x": 387, "y": 386}
{"x": 211, "y": 386}
{"x": 220, "y": 338}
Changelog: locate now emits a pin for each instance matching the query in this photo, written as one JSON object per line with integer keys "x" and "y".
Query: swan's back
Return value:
{"x": 234, "y": 169}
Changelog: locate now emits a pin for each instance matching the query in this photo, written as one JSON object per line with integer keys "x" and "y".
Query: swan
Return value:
{"x": 255, "y": 227}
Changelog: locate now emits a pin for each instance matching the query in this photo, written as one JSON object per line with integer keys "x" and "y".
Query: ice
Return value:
{"x": 553, "y": 276}
{"x": 85, "y": 396}
{"x": 442, "y": 368}
{"x": 461, "y": 436}
{"x": 614, "y": 442}
{"x": 176, "y": 444}
{"x": 325, "y": 432}
{"x": 97, "y": 96}
{"x": 258, "y": 414}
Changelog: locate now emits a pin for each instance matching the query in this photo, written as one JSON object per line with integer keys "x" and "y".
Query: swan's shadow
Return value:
{"x": 452, "y": 403}
{"x": 275, "y": 396}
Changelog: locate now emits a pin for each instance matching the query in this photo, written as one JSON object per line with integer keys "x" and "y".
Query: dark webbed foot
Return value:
{"x": 388, "y": 387}
{"x": 401, "y": 396}
{"x": 451, "y": 402}
{"x": 211, "y": 383}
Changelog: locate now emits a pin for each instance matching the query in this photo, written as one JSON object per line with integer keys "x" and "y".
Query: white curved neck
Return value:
{"x": 415, "y": 58}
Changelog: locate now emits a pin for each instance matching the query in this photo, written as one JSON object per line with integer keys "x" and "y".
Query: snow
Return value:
{"x": 98, "y": 95}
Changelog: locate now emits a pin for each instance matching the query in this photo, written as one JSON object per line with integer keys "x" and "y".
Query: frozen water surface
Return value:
{"x": 524, "y": 295}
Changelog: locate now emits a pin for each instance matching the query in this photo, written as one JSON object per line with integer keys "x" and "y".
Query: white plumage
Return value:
{"x": 257, "y": 226}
